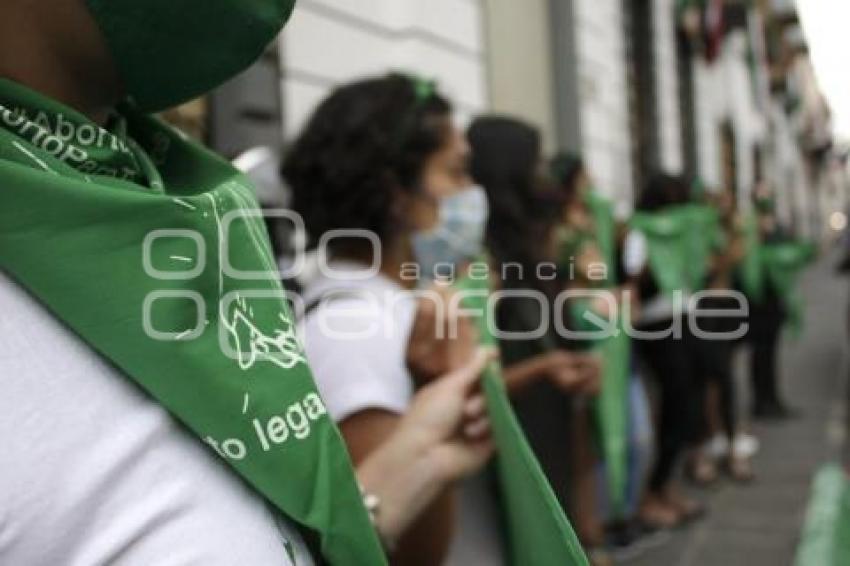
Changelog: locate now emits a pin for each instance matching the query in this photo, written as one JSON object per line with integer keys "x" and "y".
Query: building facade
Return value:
{"x": 719, "y": 90}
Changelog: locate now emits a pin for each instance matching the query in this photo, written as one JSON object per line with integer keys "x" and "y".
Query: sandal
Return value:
{"x": 740, "y": 469}
{"x": 702, "y": 470}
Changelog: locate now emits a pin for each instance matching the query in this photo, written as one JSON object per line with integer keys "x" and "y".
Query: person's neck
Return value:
{"x": 392, "y": 261}
{"x": 42, "y": 69}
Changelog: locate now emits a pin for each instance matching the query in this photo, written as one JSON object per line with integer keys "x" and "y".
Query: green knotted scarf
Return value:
{"x": 778, "y": 264}
{"x": 783, "y": 262}
{"x": 681, "y": 240}
{"x": 539, "y": 533}
{"x": 147, "y": 247}
{"x": 610, "y": 407}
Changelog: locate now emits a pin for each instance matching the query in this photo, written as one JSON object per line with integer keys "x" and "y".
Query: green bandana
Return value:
{"x": 539, "y": 533}
{"x": 168, "y": 52}
{"x": 782, "y": 263}
{"x": 147, "y": 246}
{"x": 666, "y": 235}
{"x": 610, "y": 407}
{"x": 602, "y": 211}
{"x": 681, "y": 240}
{"x": 705, "y": 237}
{"x": 750, "y": 270}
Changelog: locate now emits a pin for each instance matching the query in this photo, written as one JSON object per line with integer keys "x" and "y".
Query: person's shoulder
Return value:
{"x": 356, "y": 343}
{"x": 63, "y": 407}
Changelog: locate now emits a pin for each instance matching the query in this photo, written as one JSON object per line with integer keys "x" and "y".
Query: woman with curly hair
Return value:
{"x": 382, "y": 157}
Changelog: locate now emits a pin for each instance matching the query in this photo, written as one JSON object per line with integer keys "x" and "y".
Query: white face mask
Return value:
{"x": 458, "y": 235}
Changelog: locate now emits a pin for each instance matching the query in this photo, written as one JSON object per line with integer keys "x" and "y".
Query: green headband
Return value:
{"x": 424, "y": 90}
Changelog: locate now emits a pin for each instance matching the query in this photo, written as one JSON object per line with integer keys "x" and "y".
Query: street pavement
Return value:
{"x": 760, "y": 524}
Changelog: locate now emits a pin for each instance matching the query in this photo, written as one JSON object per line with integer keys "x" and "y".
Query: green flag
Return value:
{"x": 539, "y": 533}
{"x": 704, "y": 237}
{"x": 751, "y": 271}
{"x": 782, "y": 263}
{"x": 669, "y": 246}
{"x": 611, "y": 406}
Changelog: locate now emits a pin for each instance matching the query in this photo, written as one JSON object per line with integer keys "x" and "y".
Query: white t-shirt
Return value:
{"x": 356, "y": 343}
{"x": 92, "y": 471}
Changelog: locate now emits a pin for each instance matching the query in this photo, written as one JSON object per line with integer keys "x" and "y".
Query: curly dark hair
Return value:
{"x": 363, "y": 144}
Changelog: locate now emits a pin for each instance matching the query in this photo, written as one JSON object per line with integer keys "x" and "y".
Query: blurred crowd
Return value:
{"x": 468, "y": 355}
{"x": 616, "y": 335}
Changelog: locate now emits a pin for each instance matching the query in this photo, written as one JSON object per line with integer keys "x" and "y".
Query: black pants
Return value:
{"x": 766, "y": 321}
{"x": 713, "y": 364}
{"x": 672, "y": 365}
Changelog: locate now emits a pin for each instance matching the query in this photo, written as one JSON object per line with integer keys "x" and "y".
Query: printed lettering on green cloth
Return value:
{"x": 825, "y": 540}
{"x": 539, "y": 533}
{"x": 150, "y": 248}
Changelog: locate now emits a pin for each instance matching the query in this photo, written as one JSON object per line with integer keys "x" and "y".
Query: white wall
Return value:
{"x": 667, "y": 86}
{"x": 519, "y": 54}
{"x": 709, "y": 114}
{"x": 724, "y": 92}
{"x": 330, "y": 42}
{"x": 603, "y": 96}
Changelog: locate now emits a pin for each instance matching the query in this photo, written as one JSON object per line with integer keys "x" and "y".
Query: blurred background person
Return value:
{"x": 548, "y": 377}
{"x": 667, "y": 356}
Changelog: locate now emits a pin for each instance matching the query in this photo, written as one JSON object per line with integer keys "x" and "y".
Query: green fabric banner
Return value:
{"x": 750, "y": 270}
{"x": 666, "y": 235}
{"x": 825, "y": 540}
{"x": 778, "y": 264}
{"x": 611, "y": 407}
{"x": 605, "y": 228}
{"x": 539, "y": 533}
{"x": 150, "y": 248}
{"x": 782, "y": 263}
{"x": 705, "y": 237}
{"x": 681, "y": 240}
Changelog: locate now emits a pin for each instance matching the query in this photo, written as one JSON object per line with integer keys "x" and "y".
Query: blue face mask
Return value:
{"x": 458, "y": 235}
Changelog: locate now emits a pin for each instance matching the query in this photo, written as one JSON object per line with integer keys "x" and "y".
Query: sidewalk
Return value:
{"x": 758, "y": 525}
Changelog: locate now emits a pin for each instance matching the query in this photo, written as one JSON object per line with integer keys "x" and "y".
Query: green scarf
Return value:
{"x": 681, "y": 240}
{"x": 782, "y": 263}
{"x": 705, "y": 237}
{"x": 665, "y": 232}
{"x": 611, "y": 406}
{"x": 122, "y": 233}
{"x": 539, "y": 533}
{"x": 602, "y": 212}
{"x": 750, "y": 270}
{"x": 777, "y": 264}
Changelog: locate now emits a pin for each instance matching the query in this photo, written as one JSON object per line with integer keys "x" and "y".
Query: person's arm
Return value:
{"x": 570, "y": 371}
{"x": 443, "y": 437}
{"x": 426, "y": 541}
